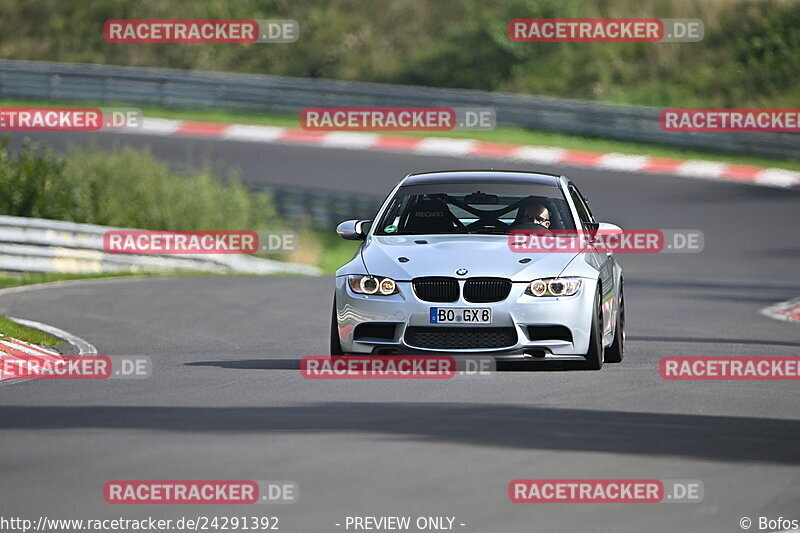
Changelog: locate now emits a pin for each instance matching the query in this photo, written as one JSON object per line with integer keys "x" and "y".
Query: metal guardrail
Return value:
{"x": 41, "y": 245}
{"x": 106, "y": 84}
{"x": 322, "y": 210}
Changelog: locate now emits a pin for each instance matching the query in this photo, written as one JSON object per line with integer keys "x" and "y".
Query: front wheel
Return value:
{"x": 335, "y": 342}
{"x": 614, "y": 352}
{"x": 594, "y": 356}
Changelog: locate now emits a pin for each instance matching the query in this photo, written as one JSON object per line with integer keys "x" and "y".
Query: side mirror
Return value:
{"x": 605, "y": 227}
{"x": 353, "y": 230}
{"x": 591, "y": 228}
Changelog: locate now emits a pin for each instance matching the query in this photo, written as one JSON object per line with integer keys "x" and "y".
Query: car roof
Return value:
{"x": 482, "y": 176}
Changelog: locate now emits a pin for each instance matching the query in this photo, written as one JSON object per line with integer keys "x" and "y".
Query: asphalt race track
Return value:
{"x": 226, "y": 399}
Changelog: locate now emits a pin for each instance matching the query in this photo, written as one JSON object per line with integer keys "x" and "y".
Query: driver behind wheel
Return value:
{"x": 533, "y": 216}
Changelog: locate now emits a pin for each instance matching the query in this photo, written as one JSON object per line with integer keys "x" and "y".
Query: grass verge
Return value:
{"x": 13, "y": 279}
{"x": 335, "y": 251}
{"x": 10, "y": 328}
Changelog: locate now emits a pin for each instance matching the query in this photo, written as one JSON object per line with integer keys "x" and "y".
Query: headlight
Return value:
{"x": 554, "y": 287}
{"x": 538, "y": 287}
{"x": 372, "y": 285}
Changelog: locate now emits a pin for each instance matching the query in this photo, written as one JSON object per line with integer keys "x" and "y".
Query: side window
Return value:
{"x": 580, "y": 204}
{"x": 392, "y": 215}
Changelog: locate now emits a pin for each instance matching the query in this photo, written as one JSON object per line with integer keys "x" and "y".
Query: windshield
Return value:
{"x": 474, "y": 208}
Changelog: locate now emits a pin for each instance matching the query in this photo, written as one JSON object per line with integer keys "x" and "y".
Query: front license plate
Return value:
{"x": 461, "y": 315}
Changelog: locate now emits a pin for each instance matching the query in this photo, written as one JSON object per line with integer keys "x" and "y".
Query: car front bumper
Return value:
{"x": 514, "y": 314}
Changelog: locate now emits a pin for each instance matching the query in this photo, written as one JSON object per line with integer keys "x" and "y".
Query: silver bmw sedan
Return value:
{"x": 438, "y": 272}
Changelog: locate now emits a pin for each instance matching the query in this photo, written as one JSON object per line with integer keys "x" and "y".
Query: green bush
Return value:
{"x": 127, "y": 188}
{"x": 750, "y": 56}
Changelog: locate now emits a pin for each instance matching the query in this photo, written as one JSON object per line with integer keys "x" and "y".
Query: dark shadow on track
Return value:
{"x": 252, "y": 364}
{"x": 733, "y": 193}
{"x": 710, "y": 340}
{"x": 718, "y": 438}
{"x": 294, "y": 364}
{"x": 790, "y": 253}
{"x": 738, "y": 298}
{"x": 780, "y": 289}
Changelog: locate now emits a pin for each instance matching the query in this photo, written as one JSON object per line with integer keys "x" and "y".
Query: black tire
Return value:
{"x": 615, "y": 352}
{"x": 594, "y": 356}
{"x": 336, "y": 344}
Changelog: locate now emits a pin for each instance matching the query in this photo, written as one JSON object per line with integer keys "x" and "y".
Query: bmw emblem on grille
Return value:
{"x": 462, "y": 271}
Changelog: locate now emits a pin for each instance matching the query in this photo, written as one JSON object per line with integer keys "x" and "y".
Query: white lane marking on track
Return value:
{"x": 777, "y": 177}
{"x": 84, "y": 347}
{"x": 701, "y": 169}
{"x": 623, "y": 162}
{"x": 350, "y": 140}
{"x": 540, "y": 154}
{"x": 154, "y": 126}
{"x": 444, "y": 146}
{"x": 243, "y": 132}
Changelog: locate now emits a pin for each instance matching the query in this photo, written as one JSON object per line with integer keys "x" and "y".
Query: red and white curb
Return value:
{"x": 14, "y": 351}
{"x": 83, "y": 347}
{"x": 788, "y": 311}
{"x": 31, "y": 358}
{"x": 688, "y": 168}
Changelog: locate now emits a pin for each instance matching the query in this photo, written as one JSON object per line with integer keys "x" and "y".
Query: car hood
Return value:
{"x": 481, "y": 255}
